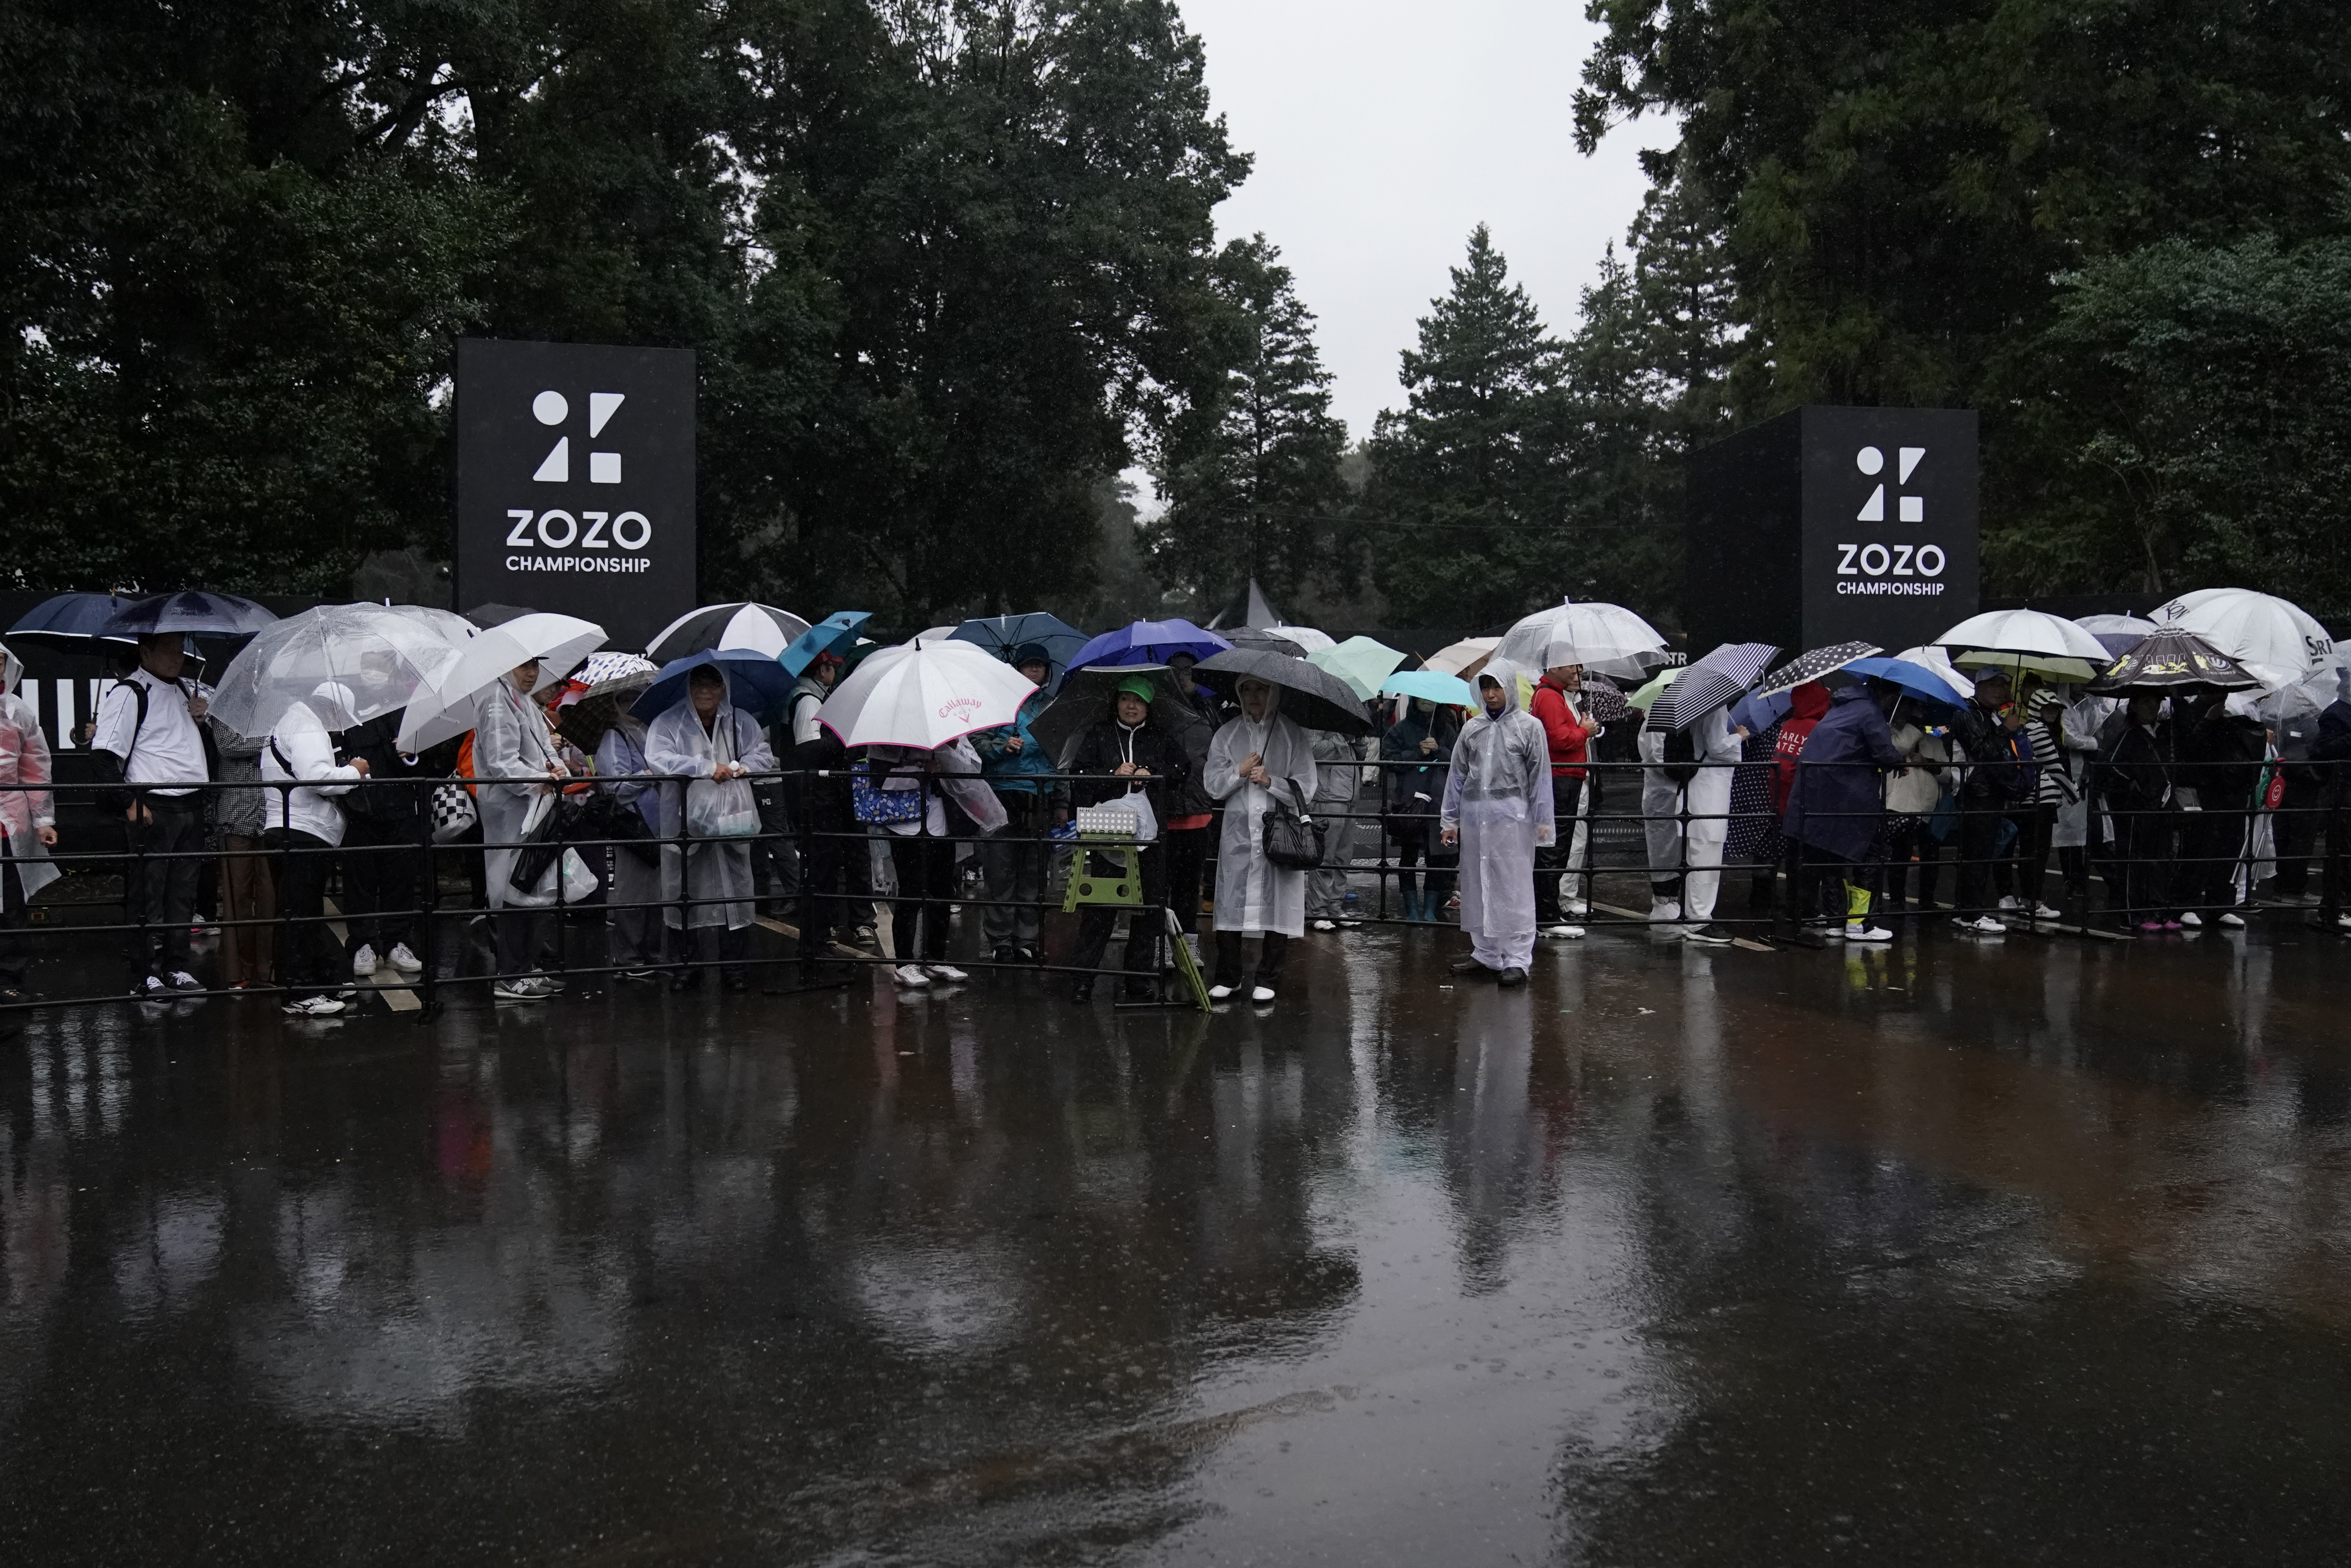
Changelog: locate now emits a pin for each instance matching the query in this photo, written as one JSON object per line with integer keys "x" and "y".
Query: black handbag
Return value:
{"x": 538, "y": 850}
{"x": 1293, "y": 839}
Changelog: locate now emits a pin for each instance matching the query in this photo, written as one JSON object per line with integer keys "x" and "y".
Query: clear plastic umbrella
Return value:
{"x": 445, "y": 709}
{"x": 1606, "y": 639}
{"x": 2277, "y": 641}
{"x": 923, "y": 694}
{"x": 380, "y": 656}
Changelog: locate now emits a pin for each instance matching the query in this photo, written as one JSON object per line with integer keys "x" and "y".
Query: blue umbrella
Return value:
{"x": 1001, "y": 634}
{"x": 69, "y": 623}
{"x": 1434, "y": 685}
{"x": 756, "y": 684}
{"x": 835, "y": 634}
{"x": 1916, "y": 679}
{"x": 1149, "y": 642}
{"x": 1756, "y": 714}
{"x": 191, "y": 610}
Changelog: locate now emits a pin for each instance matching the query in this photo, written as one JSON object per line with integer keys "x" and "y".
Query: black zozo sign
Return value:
{"x": 575, "y": 482}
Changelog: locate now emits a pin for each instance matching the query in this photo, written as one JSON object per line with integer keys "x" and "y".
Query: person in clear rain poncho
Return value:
{"x": 1498, "y": 808}
{"x": 705, "y": 743}
{"x": 1253, "y": 759}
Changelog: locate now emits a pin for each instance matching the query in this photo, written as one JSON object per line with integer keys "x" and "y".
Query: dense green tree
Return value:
{"x": 1251, "y": 473}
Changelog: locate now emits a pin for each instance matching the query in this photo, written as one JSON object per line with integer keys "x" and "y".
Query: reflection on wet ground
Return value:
{"x": 1961, "y": 1253}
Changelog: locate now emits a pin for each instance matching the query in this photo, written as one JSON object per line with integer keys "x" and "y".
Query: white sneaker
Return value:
{"x": 2191, "y": 920}
{"x": 1982, "y": 925}
{"x": 1260, "y": 993}
{"x": 182, "y": 981}
{"x": 946, "y": 972}
{"x": 2233, "y": 920}
{"x": 2011, "y": 902}
{"x": 521, "y": 988}
{"x": 911, "y": 975}
{"x": 1563, "y": 932}
{"x": 1575, "y": 907}
{"x": 154, "y": 987}
{"x": 1854, "y": 933}
{"x": 1667, "y": 911}
{"x": 363, "y": 961}
{"x": 403, "y": 961}
{"x": 1219, "y": 993}
{"x": 313, "y": 1007}
{"x": 2044, "y": 912}
{"x": 1326, "y": 925}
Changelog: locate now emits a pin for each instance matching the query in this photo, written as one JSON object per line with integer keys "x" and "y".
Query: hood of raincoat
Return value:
{"x": 1510, "y": 676}
{"x": 1810, "y": 701}
{"x": 12, "y": 671}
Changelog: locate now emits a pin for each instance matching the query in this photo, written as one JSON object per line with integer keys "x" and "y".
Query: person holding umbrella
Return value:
{"x": 28, "y": 822}
{"x": 1836, "y": 803}
{"x": 1259, "y": 759}
{"x": 1125, "y": 759}
{"x": 1497, "y": 810}
{"x": 1560, "y": 707}
{"x": 705, "y": 744}
{"x": 1013, "y": 861}
{"x": 514, "y": 765}
{"x": 1417, "y": 750}
{"x": 2139, "y": 793}
{"x": 302, "y": 775}
{"x": 1993, "y": 783}
{"x": 1190, "y": 718}
{"x": 147, "y": 740}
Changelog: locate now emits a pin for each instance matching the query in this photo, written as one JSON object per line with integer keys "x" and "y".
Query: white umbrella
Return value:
{"x": 2025, "y": 640}
{"x": 923, "y": 695}
{"x": 554, "y": 642}
{"x": 1929, "y": 657}
{"x": 1305, "y": 636}
{"x": 378, "y": 656}
{"x": 2276, "y": 639}
{"x": 1464, "y": 657}
{"x": 1606, "y": 639}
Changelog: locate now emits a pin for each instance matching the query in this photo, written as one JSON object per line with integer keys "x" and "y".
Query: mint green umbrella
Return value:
{"x": 1361, "y": 662}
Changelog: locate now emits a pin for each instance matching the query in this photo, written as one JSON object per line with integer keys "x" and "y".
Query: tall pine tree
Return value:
{"x": 1250, "y": 473}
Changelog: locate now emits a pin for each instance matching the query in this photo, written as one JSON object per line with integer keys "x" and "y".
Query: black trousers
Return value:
{"x": 1979, "y": 835}
{"x": 1271, "y": 947}
{"x": 2296, "y": 824}
{"x": 1143, "y": 934}
{"x": 12, "y": 919}
{"x": 2149, "y": 840}
{"x": 693, "y": 945}
{"x": 2036, "y": 825}
{"x": 313, "y": 959}
{"x": 2209, "y": 845}
{"x": 1566, "y": 795}
{"x": 382, "y": 867}
{"x": 1186, "y": 850}
{"x": 821, "y": 873}
{"x": 521, "y": 933}
{"x": 1419, "y": 839}
{"x": 918, "y": 918}
{"x": 162, "y": 892}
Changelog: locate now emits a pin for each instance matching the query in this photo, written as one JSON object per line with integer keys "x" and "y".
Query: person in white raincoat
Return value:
{"x": 515, "y": 766}
{"x": 704, "y": 742}
{"x": 1498, "y": 808}
{"x": 28, "y": 822}
{"x": 302, "y": 823}
{"x": 1253, "y": 759}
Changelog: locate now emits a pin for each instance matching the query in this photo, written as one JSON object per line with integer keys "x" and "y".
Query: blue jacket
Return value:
{"x": 1839, "y": 796}
{"x": 1015, "y": 771}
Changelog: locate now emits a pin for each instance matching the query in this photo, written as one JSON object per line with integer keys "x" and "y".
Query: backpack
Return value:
{"x": 1681, "y": 760}
{"x": 115, "y": 770}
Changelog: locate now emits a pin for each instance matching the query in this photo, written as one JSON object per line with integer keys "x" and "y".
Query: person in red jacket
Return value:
{"x": 1807, "y": 705}
{"x": 1566, "y": 717}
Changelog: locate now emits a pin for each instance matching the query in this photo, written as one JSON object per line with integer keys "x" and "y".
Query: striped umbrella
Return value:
{"x": 1812, "y": 666}
{"x": 1715, "y": 681}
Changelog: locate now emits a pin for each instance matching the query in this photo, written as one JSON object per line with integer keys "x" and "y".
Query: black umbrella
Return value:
{"x": 1605, "y": 698}
{"x": 1812, "y": 666}
{"x": 1311, "y": 695}
{"x": 1264, "y": 641}
{"x": 2169, "y": 661}
{"x": 1717, "y": 680}
{"x": 763, "y": 629}
{"x": 191, "y": 610}
{"x": 1086, "y": 695}
{"x": 489, "y": 616}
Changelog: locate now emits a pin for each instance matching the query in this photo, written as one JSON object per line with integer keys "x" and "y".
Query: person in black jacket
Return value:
{"x": 1191, "y": 721}
{"x": 383, "y": 849}
{"x": 2138, "y": 780}
{"x": 1994, "y": 785}
{"x": 2221, "y": 759}
{"x": 1415, "y": 754}
{"x": 1121, "y": 757}
{"x": 822, "y": 809}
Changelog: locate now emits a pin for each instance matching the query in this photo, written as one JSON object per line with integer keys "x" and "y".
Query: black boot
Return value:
{"x": 1082, "y": 989}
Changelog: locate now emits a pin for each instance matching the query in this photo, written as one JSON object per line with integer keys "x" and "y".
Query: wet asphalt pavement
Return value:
{"x": 2014, "y": 1252}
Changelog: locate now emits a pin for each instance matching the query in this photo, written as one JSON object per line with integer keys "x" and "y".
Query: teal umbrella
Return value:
{"x": 1431, "y": 685}
{"x": 836, "y": 634}
{"x": 1360, "y": 662}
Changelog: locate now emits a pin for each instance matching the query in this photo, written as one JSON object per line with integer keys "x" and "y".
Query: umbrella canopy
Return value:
{"x": 1605, "y": 698}
{"x": 1085, "y": 696}
{"x": 592, "y": 699}
{"x": 1360, "y": 662}
{"x": 1756, "y": 714}
{"x": 2115, "y": 633}
{"x": 1715, "y": 681}
{"x": 1001, "y": 634}
{"x": 1464, "y": 657}
{"x": 1150, "y": 642}
{"x": 746, "y": 624}
{"x": 1606, "y": 638}
{"x": 1305, "y": 636}
{"x": 381, "y": 657}
{"x": 1265, "y": 641}
{"x": 489, "y": 616}
{"x": 836, "y": 634}
{"x": 70, "y": 623}
{"x": 1813, "y": 665}
{"x": 2171, "y": 660}
{"x": 445, "y": 709}
{"x": 192, "y": 610}
{"x": 1643, "y": 698}
{"x": 2025, "y": 640}
{"x": 1433, "y": 685}
{"x": 447, "y": 625}
{"x": 754, "y": 683}
{"x": 1930, "y": 658}
{"x": 1918, "y": 681}
{"x": 615, "y": 674}
{"x": 1313, "y": 696}
{"x": 923, "y": 695}
{"x": 2276, "y": 639}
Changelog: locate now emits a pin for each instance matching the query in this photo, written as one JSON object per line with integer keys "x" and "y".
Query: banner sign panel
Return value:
{"x": 1889, "y": 524}
{"x": 575, "y": 482}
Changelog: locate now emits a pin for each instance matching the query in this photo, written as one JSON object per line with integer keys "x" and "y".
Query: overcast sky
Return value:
{"x": 1385, "y": 130}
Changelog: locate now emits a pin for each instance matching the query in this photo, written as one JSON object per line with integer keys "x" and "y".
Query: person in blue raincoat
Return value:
{"x": 1836, "y": 806}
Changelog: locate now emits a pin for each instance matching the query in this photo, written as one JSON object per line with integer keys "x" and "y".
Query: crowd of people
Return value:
{"x": 1845, "y": 802}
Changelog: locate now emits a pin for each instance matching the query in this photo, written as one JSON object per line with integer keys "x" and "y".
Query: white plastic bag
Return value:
{"x": 578, "y": 881}
{"x": 1147, "y": 821}
{"x": 721, "y": 808}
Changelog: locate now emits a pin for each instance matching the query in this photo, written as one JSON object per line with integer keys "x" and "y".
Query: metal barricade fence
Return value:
{"x": 2197, "y": 850}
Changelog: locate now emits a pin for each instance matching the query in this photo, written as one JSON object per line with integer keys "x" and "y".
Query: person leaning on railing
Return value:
{"x": 28, "y": 823}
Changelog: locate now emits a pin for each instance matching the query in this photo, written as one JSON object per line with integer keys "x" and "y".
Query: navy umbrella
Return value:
{"x": 1001, "y": 634}
{"x": 756, "y": 684}
{"x": 70, "y": 623}
{"x": 1150, "y": 642}
{"x": 1812, "y": 666}
{"x": 192, "y": 610}
{"x": 1717, "y": 680}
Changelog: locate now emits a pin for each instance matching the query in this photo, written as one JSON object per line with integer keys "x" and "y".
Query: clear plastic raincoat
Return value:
{"x": 1497, "y": 798}
{"x": 1253, "y": 894}
{"x": 711, "y": 869}
{"x": 24, "y": 760}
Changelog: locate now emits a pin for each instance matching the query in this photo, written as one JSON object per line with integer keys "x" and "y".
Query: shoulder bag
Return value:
{"x": 1293, "y": 839}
